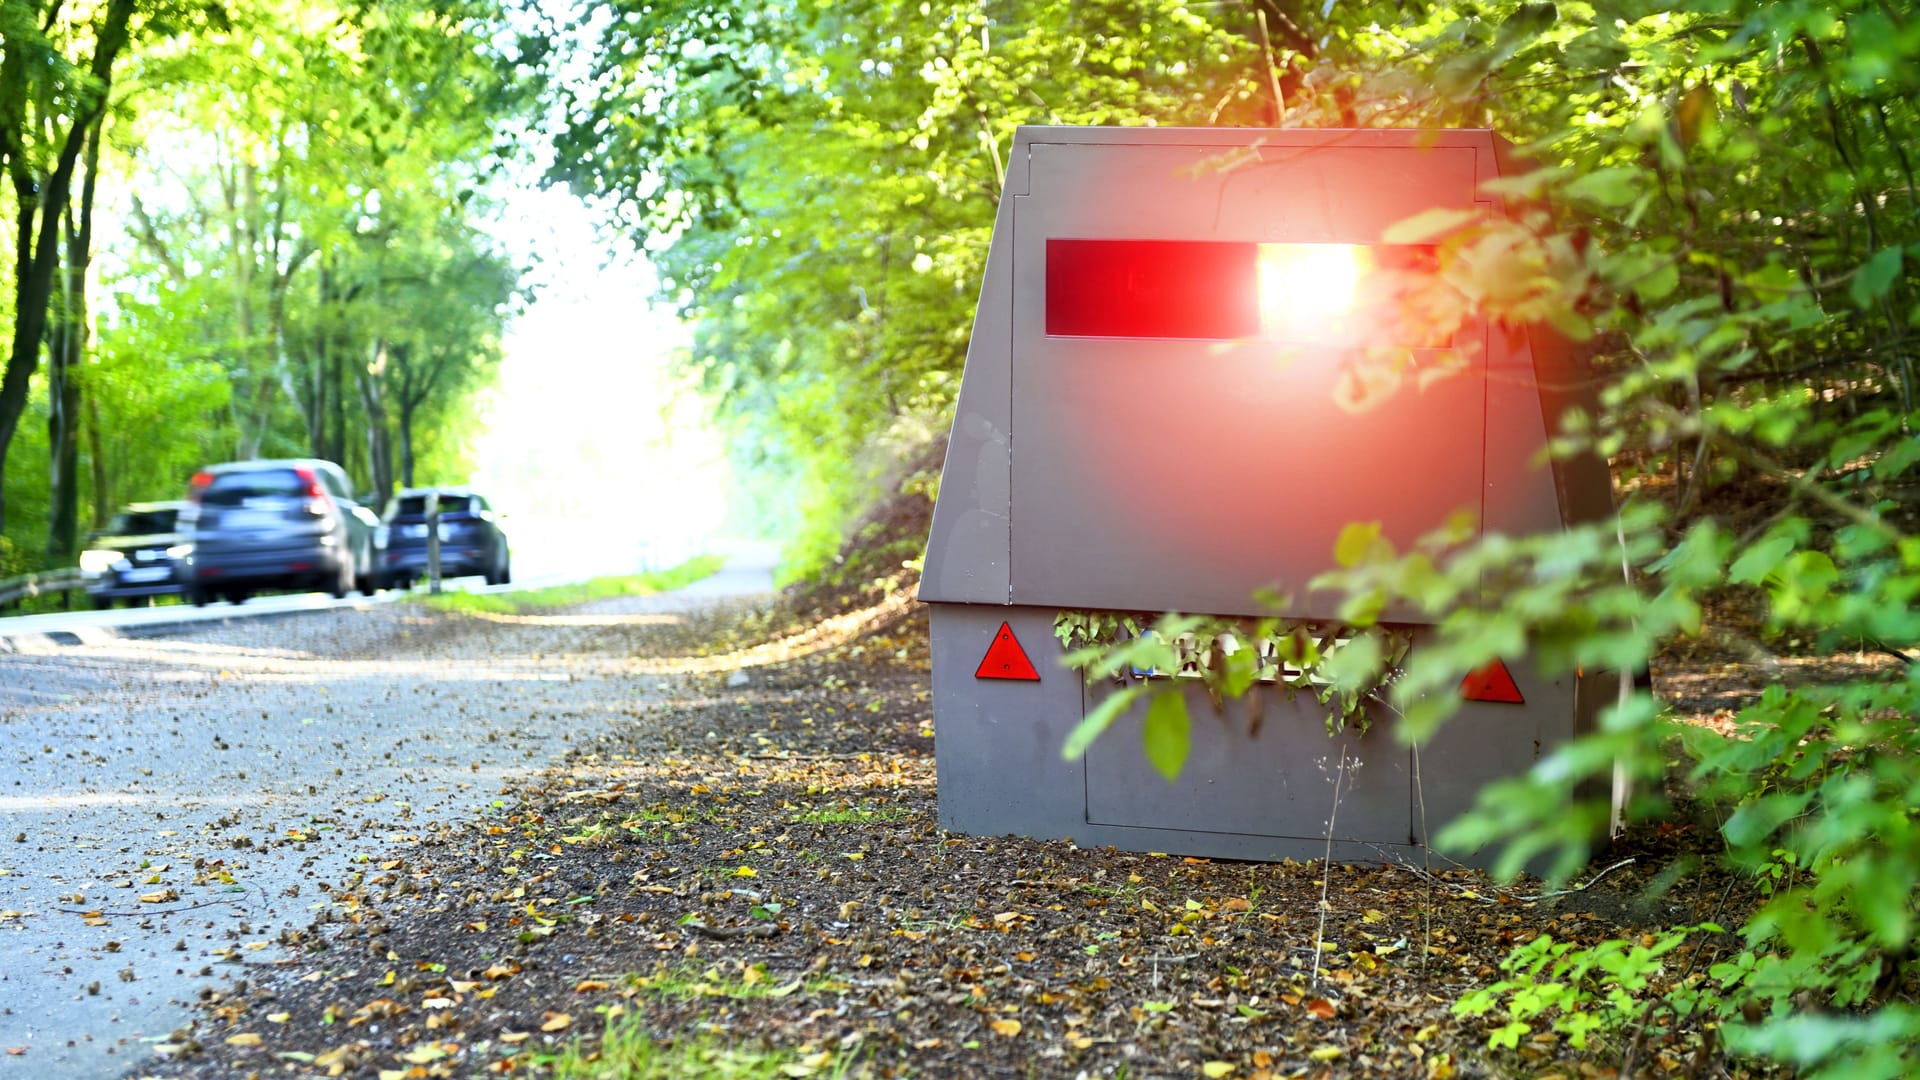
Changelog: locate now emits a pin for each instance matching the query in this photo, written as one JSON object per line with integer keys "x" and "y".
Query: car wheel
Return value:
{"x": 236, "y": 597}
{"x": 343, "y": 582}
{"x": 103, "y": 603}
{"x": 197, "y": 597}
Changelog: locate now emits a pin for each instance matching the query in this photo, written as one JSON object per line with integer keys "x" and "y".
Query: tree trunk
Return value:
{"x": 379, "y": 446}
{"x": 97, "y": 457}
{"x": 406, "y": 442}
{"x": 69, "y": 349}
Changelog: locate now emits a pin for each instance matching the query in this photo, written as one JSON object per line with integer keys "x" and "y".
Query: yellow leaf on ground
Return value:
{"x": 164, "y": 896}
{"x": 556, "y": 1022}
{"x": 746, "y": 871}
{"x": 1327, "y": 1053}
{"x": 1006, "y": 1027}
{"x": 245, "y": 1038}
{"x": 588, "y": 986}
{"x": 1216, "y": 1070}
{"x": 279, "y": 1018}
{"x": 511, "y": 1037}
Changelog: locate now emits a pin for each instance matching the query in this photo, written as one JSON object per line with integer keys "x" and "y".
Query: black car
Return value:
{"x": 471, "y": 539}
{"x": 276, "y": 524}
{"x": 137, "y": 555}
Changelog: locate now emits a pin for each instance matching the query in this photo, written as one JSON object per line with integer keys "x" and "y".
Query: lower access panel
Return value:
{"x": 1284, "y": 790}
{"x": 1284, "y": 777}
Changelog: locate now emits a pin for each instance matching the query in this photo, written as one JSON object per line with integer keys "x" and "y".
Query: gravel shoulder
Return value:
{"x": 174, "y": 812}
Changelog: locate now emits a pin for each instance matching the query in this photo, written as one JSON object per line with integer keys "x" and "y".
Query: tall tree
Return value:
{"x": 55, "y": 73}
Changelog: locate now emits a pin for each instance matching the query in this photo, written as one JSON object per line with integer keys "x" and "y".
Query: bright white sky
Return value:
{"x": 601, "y": 463}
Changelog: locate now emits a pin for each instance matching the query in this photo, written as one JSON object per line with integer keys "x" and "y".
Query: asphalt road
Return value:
{"x": 171, "y": 804}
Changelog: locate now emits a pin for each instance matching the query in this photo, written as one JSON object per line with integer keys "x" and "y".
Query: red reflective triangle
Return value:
{"x": 1491, "y": 683}
{"x": 1005, "y": 659}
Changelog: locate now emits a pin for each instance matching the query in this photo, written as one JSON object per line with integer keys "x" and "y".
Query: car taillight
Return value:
{"x": 317, "y": 501}
{"x": 197, "y": 487}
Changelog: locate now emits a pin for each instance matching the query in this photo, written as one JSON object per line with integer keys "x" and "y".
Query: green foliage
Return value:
{"x": 296, "y": 262}
{"x": 1345, "y": 669}
{"x": 13, "y": 561}
{"x": 1734, "y": 234}
{"x": 628, "y": 1051}
{"x": 1587, "y": 995}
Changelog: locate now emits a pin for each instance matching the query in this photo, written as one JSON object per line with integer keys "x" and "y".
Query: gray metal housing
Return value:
{"x": 1172, "y": 474}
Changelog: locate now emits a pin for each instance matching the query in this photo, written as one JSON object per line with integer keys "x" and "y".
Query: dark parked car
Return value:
{"x": 471, "y": 540}
{"x": 137, "y": 556}
{"x": 286, "y": 524}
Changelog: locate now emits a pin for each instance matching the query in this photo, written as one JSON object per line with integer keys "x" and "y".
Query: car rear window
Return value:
{"x": 234, "y": 488}
{"x": 141, "y": 522}
{"x": 416, "y": 505}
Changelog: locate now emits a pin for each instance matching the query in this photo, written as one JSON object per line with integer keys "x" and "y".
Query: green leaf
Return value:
{"x": 1098, "y": 720}
{"x": 1875, "y": 276}
{"x": 1755, "y": 821}
{"x": 1360, "y": 542}
{"x": 1428, "y": 225}
{"x": 1613, "y": 187}
{"x": 1760, "y": 560}
{"x": 1355, "y": 666}
{"x": 1167, "y": 737}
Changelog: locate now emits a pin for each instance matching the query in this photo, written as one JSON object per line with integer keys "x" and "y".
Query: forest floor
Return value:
{"x": 750, "y": 875}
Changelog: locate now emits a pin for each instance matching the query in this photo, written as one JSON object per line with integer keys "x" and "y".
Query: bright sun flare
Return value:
{"x": 1306, "y": 288}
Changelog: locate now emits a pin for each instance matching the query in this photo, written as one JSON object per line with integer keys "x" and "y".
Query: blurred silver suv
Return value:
{"x": 276, "y": 524}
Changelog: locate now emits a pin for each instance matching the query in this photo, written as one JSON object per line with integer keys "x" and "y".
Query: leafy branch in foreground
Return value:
{"x": 1345, "y": 669}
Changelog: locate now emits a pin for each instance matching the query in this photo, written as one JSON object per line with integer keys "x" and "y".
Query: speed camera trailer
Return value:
{"x": 1151, "y": 420}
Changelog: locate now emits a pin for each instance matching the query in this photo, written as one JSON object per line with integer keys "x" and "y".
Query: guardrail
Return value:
{"x": 26, "y": 586}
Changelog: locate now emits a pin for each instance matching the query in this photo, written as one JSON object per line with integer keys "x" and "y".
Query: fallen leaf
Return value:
{"x": 511, "y": 1037}
{"x": 245, "y": 1038}
{"x": 279, "y": 1017}
{"x": 588, "y": 986}
{"x": 1008, "y": 1028}
{"x": 1326, "y": 1053}
{"x": 164, "y": 896}
{"x": 1216, "y": 1070}
{"x": 1322, "y": 1008}
{"x": 556, "y": 1022}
